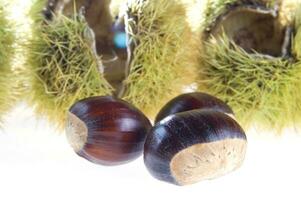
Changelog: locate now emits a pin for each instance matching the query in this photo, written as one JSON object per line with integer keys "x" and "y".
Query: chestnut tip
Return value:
{"x": 192, "y": 101}
{"x": 106, "y": 130}
{"x": 192, "y": 146}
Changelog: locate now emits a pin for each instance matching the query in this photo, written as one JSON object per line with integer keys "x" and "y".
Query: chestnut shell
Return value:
{"x": 191, "y": 101}
{"x": 184, "y": 130}
{"x": 116, "y": 130}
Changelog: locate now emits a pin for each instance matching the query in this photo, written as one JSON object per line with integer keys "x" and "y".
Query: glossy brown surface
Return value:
{"x": 191, "y": 101}
{"x": 116, "y": 130}
{"x": 181, "y": 131}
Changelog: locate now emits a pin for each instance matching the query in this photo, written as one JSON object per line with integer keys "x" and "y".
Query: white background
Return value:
{"x": 36, "y": 163}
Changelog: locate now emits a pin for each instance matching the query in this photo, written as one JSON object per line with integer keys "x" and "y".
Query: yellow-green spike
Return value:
{"x": 262, "y": 89}
{"x": 7, "y": 78}
{"x": 62, "y": 66}
{"x": 164, "y": 58}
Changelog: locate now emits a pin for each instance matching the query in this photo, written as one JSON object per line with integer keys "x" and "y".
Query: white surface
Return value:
{"x": 37, "y": 163}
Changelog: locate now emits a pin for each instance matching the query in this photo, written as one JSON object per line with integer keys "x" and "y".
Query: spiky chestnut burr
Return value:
{"x": 106, "y": 130}
{"x": 248, "y": 61}
{"x": 8, "y": 80}
{"x": 78, "y": 51}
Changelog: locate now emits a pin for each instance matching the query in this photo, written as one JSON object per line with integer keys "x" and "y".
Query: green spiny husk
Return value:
{"x": 260, "y": 89}
{"x": 7, "y": 78}
{"x": 214, "y": 8}
{"x": 161, "y": 64}
{"x": 35, "y": 12}
{"x": 62, "y": 66}
{"x": 163, "y": 58}
{"x": 263, "y": 91}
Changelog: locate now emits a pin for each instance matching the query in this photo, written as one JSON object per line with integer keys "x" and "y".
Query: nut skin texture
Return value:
{"x": 116, "y": 130}
{"x": 183, "y": 130}
{"x": 191, "y": 101}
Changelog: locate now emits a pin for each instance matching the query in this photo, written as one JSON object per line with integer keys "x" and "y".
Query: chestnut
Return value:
{"x": 191, "y": 101}
{"x": 106, "y": 130}
{"x": 195, "y": 145}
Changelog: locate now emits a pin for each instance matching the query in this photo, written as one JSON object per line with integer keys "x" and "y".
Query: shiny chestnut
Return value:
{"x": 195, "y": 138}
{"x": 196, "y": 145}
{"x": 191, "y": 101}
{"x": 106, "y": 130}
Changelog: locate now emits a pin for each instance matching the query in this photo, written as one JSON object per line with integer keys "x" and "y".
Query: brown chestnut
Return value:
{"x": 191, "y": 101}
{"x": 106, "y": 130}
{"x": 195, "y": 145}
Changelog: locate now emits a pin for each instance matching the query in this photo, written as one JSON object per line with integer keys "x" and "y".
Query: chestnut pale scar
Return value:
{"x": 76, "y": 132}
{"x": 208, "y": 160}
